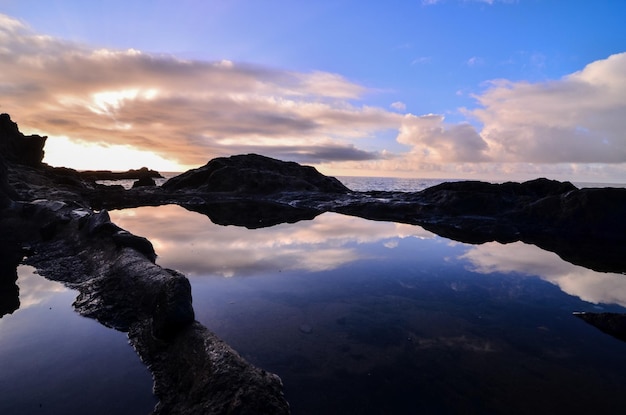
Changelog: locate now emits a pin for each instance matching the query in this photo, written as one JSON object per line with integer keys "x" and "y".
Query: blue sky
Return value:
{"x": 449, "y": 88}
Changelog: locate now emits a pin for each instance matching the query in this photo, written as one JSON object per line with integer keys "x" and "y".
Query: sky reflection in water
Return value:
{"x": 53, "y": 361}
{"x": 366, "y": 317}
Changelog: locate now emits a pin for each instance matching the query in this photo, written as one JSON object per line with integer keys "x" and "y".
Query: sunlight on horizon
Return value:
{"x": 61, "y": 151}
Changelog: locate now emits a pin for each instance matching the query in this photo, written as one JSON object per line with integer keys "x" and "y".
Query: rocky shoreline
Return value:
{"x": 56, "y": 220}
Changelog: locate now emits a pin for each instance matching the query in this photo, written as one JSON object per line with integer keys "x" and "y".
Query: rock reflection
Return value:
{"x": 588, "y": 285}
{"x": 190, "y": 243}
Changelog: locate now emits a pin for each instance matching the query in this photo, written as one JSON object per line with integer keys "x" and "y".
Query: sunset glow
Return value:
{"x": 61, "y": 151}
{"x": 473, "y": 89}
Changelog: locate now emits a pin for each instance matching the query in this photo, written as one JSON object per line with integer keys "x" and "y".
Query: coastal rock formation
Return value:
{"x": 48, "y": 220}
{"x": 120, "y": 286}
{"x": 254, "y": 174}
{"x": 142, "y": 174}
{"x": 17, "y": 147}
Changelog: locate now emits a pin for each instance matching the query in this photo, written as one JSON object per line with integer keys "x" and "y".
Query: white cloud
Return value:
{"x": 432, "y": 139}
{"x": 475, "y": 61}
{"x": 190, "y": 111}
{"x": 578, "y": 119}
{"x": 421, "y": 60}
{"x": 398, "y": 106}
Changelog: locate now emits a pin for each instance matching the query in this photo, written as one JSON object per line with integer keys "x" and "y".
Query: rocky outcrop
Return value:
{"x": 19, "y": 148}
{"x": 46, "y": 217}
{"x": 142, "y": 173}
{"x": 144, "y": 182}
{"x": 120, "y": 286}
{"x": 254, "y": 174}
{"x": 613, "y": 324}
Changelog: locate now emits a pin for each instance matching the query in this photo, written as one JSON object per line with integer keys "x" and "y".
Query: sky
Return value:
{"x": 465, "y": 89}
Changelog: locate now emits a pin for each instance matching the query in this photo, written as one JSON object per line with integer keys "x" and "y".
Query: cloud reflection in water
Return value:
{"x": 588, "y": 285}
{"x": 191, "y": 243}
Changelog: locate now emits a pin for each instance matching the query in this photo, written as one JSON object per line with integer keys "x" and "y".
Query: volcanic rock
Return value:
{"x": 254, "y": 174}
{"x": 17, "y": 147}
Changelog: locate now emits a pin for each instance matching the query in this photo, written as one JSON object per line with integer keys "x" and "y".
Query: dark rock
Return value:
{"x": 144, "y": 182}
{"x": 140, "y": 244}
{"x": 10, "y": 257}
{"x": 17, "y": 147}
{"x": 173, "y": 308}
{"x": 613, "y": 324}
{"x": 252, "y": 214}
{"x": 254, "y": 174}
{"x": 142, "y": 173}
{"x": 197, "y": 373}
{"x": 7, "y": 194}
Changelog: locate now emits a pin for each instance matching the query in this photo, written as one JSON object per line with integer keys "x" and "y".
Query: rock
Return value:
{"x": 252, "y": 214}
{"x": 144, "y": 182}
{"x": 17, "y": 147}
{"x": 140, "y": 244}
{"x": 197, "y": 373}
{"x": 613, "y": 324}
{"x": 173, "y": 309}
{"x": 142, "y": 173}
{"x": 10, "y": 257}
{"x": 254, "y": 174}
{"x": 7, "y": 194}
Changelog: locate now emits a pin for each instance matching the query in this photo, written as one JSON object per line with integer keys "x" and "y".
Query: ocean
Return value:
{"x": 365, "y": 183}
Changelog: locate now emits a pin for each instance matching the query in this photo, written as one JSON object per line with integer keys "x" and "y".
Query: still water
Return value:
{"x": 363, "y": 317}
{"x": 53, "y": 361}
{"x": 355, "y": 316}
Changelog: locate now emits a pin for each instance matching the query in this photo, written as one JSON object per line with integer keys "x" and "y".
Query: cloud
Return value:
{"x": 188, "y": 241}
{"x": 398, "y": 106}
{"x": 189, "y": 111}
{"x": 576, "y": 119}
{"x": 420, "y": 60}
{"x": 475, "y": 61}
{"x": 431, "y": 139}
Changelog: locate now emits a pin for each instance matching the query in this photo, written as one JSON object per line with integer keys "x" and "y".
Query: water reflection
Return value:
{"x": 190, "y": 243}
{"x": 595, "y": 287}
{"x": 56, "y": 362}
{"x": 34, "y": 289}
{"x": 372, "y": 317}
